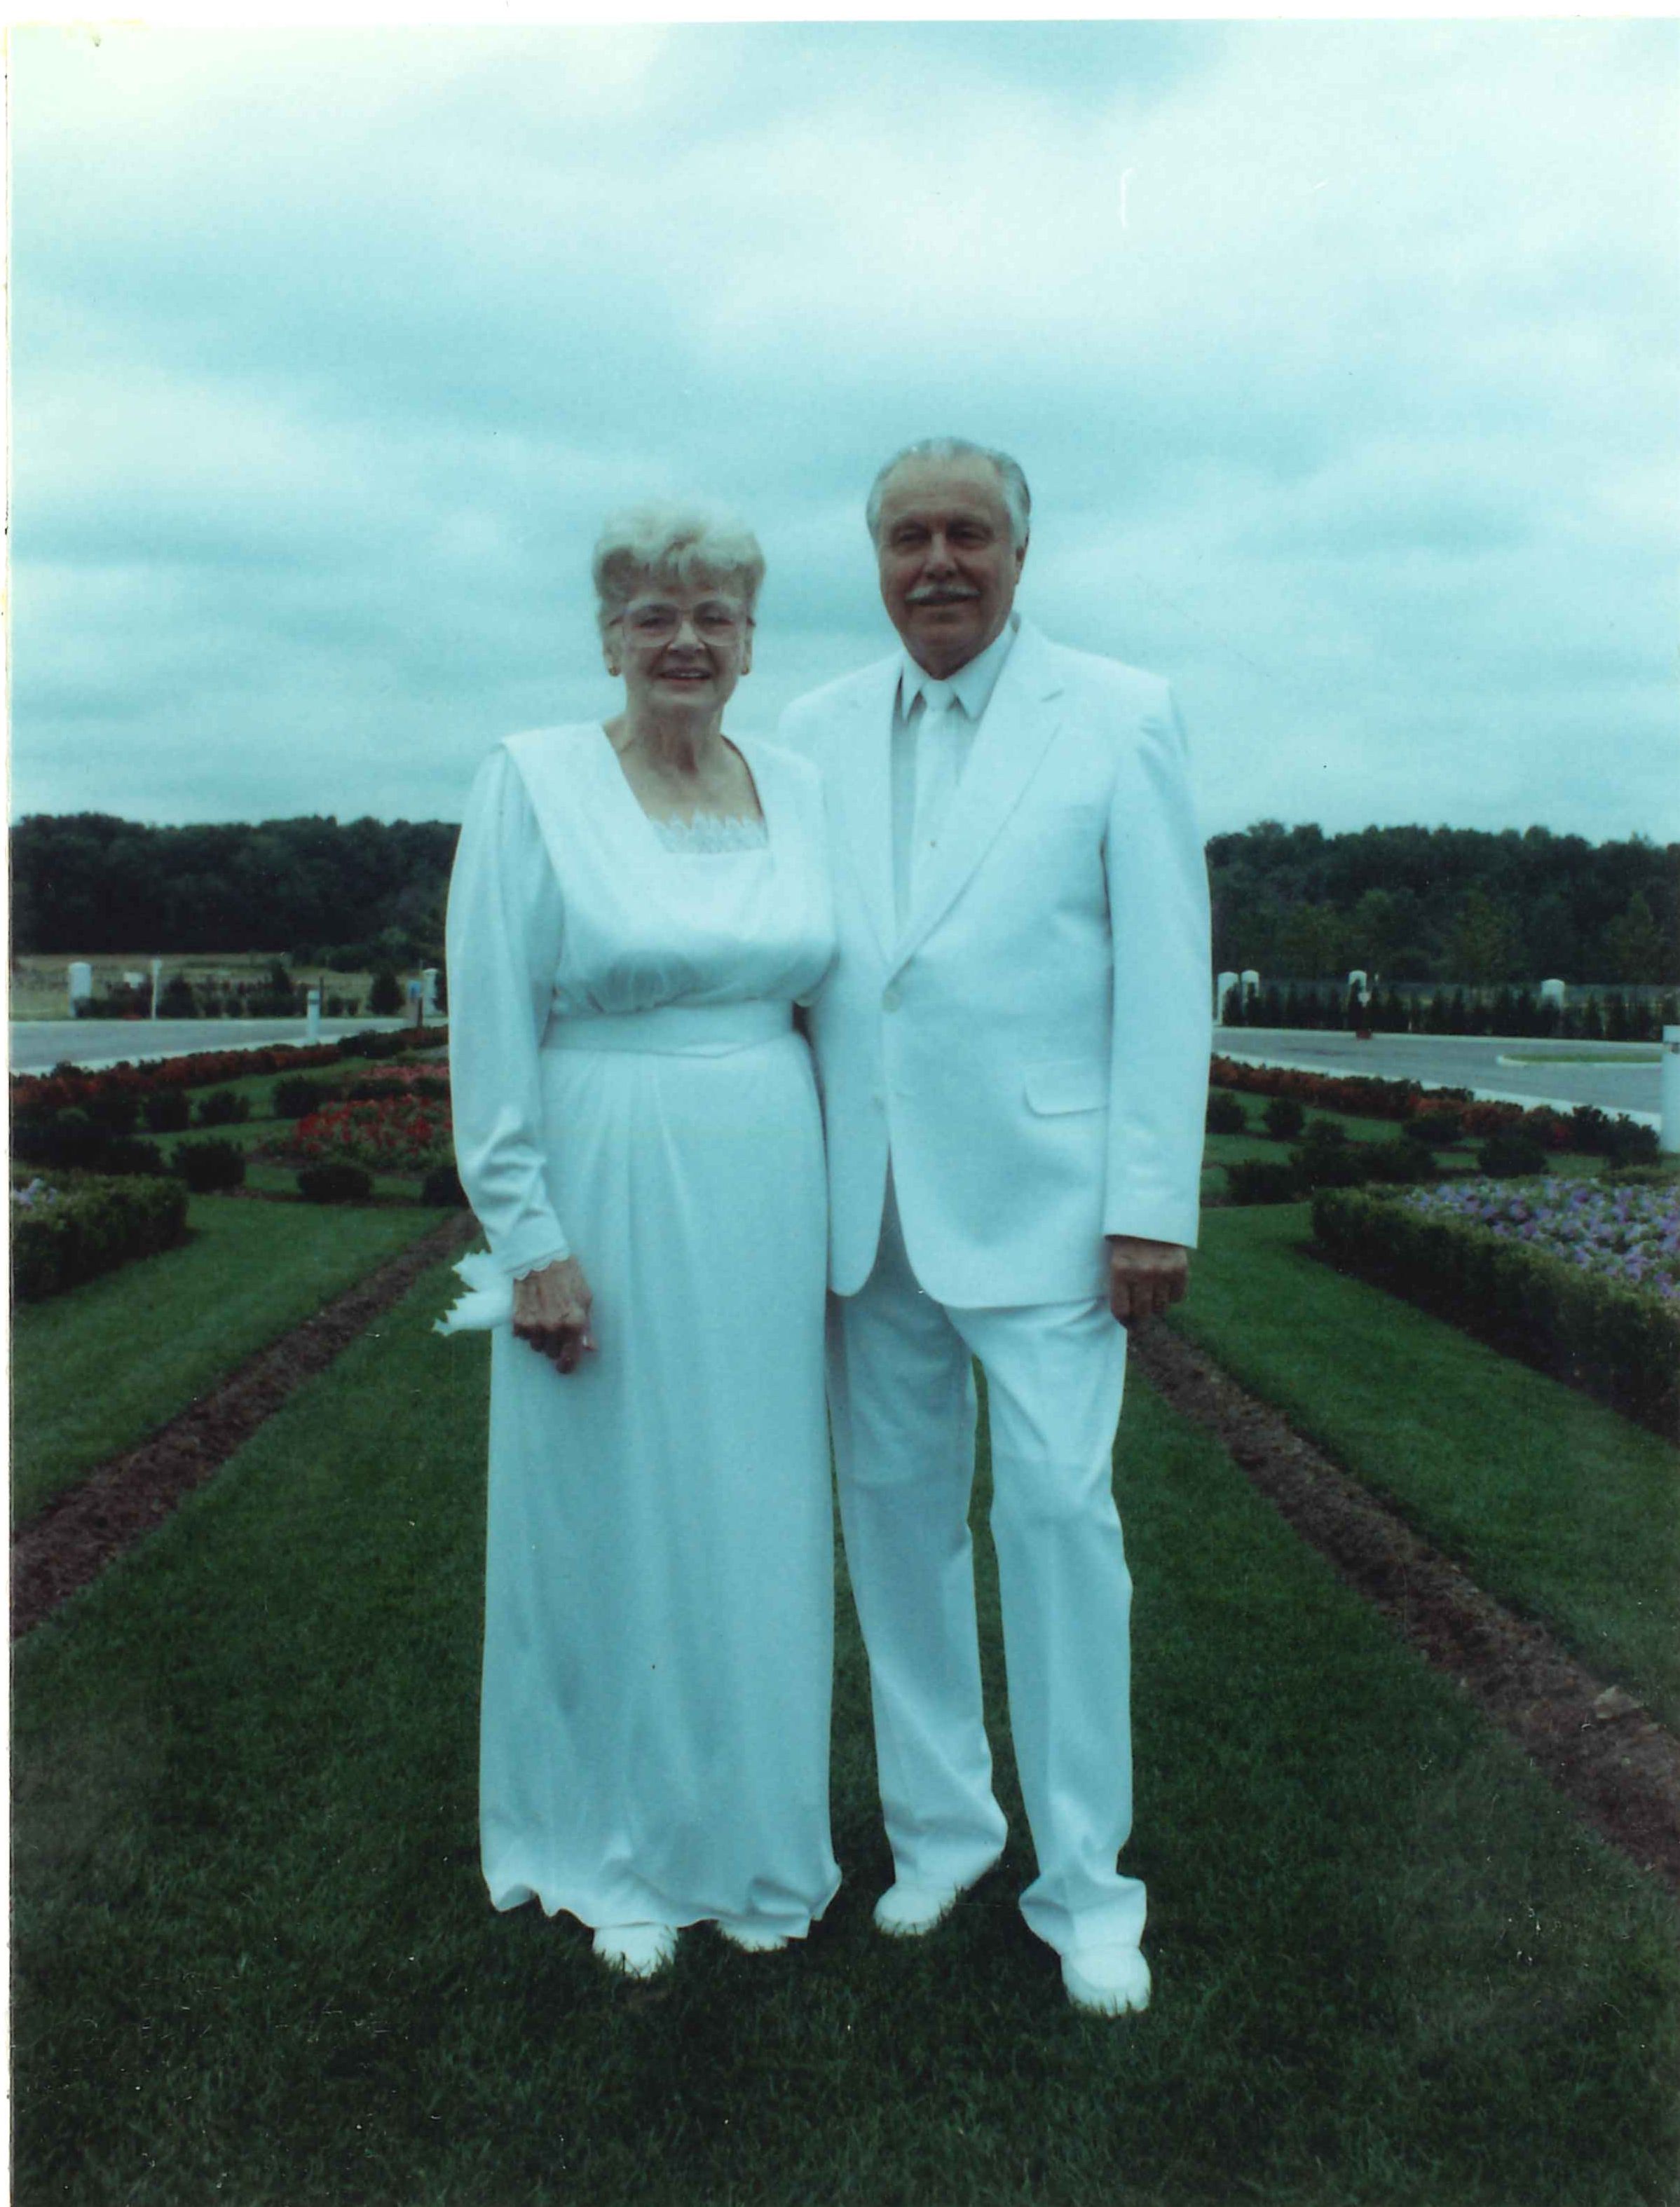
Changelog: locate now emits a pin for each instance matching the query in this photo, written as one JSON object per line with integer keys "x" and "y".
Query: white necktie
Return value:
{"x": 935, "y": 772}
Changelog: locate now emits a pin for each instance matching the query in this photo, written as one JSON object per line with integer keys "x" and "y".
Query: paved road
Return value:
{"x": 37, "y": 1045}
{"x": 1473, "y": 1061}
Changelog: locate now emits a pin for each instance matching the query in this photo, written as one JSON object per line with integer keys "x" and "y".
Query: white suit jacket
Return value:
{"x": 1032, "y": 1048}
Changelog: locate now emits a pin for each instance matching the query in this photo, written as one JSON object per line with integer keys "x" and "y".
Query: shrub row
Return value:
{"x": 1364, "y": 1095}
{"x": 70, "y": 1084}
{"x": 88, "y": 1226}
{"x": 1600, "y": 1016}
{"x": 1611, "y": 1341}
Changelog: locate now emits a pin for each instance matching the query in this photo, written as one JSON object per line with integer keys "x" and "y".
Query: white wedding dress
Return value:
{"x": 628, "y": 1089}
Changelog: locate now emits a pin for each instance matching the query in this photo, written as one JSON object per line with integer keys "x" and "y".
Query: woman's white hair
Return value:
{"x": 1012, "y": 481}
{"x": 669, "y": 543}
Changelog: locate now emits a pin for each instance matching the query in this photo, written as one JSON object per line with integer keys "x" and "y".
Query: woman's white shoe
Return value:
{"x": 636, "y": 1950}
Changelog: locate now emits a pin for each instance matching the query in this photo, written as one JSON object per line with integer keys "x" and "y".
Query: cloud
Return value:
{"x": 1340, "y": 355}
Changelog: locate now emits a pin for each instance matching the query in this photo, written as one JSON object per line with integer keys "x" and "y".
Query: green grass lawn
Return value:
{"x": 1551, "y": 1501}
{"x": 254, "y": 1959}
{"x": 96, "y": 1369}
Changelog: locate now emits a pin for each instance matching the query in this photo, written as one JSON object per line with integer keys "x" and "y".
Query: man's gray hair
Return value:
{"x": 1011, "y": 480}
{"x": 670, "y": 543}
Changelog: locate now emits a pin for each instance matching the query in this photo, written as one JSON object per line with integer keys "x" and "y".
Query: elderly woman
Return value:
{"x": 635, "y": 910}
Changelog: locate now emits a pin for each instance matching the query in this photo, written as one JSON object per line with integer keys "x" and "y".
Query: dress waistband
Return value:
{"x": 674, "y": 1029}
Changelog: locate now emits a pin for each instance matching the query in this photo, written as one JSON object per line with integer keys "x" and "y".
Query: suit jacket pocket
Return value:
{"x": 1067, "y": 1084}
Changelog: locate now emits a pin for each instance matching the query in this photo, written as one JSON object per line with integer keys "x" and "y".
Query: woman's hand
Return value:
{"x": 551, "y": 1310}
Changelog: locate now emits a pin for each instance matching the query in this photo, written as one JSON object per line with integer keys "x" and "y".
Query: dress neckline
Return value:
{"x": 652, "y": 824}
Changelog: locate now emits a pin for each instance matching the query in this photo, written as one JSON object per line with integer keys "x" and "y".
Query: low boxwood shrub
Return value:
{"x": 115, "y": 1109}
{"x": 1262, "y": 1179}
{"x": 222, "y": 1107}
{"x": 442, "y": 1188}
{"x": 1657, "y": 1175}
{"x": 169, "y": 1113}
{"x": 208, "y": 1167}
{"x": 1435, "y": 1130}
{"x": 64, "y": 1235}
{"x": 1509, "y": 1154}
{"x": 1612, "y": 1341}
{"x": 1284, "y": 1118}
{"x": 1402, "y": 1164}
{"x": 296, "y": 1100}
{"x": 335, "y": 1183}
{"x": 129, "y": 1154}
{"x": 68, "y": 1139}
{"x": 1225, "y": 1114}
{"x": 1326, "y": 1158}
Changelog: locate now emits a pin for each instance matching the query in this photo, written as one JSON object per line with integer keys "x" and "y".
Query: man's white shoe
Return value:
{"x": 1110, "y": 1979}
{"x": 752, "y": 1938}
{"x": 904, "y": 1911}
{"x": 636, "y": 1950}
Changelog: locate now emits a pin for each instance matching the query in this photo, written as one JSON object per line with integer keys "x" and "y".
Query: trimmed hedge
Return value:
{"x": 442, "y": 1186}
{"x": 89, "y": 1226}
{"x": 1610, "y": 1341}
{"x": 1225, "y": 1115}
{"x": 210, "y": 1165}
{"x": 1262, "y": 1179}
{"x": 69, "y": 1084}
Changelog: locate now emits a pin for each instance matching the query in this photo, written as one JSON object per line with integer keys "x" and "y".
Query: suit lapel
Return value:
{"x": 862, "y": 778}
{"x": 1019, "y": 722}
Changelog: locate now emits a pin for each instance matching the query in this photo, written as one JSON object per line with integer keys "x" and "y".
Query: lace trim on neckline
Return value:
{"x": 713, "y": 831}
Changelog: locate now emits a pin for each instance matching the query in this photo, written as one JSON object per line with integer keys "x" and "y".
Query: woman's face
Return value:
{"x": 681, "y": 646}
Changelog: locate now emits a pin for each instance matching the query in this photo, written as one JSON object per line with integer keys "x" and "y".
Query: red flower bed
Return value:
{"x": 54, "y": 1092}
{"x": 1365, "y": 1096}
{"x": 389, "y": 1134}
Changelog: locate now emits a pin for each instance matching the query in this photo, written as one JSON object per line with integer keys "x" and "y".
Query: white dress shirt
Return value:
{"x": 925, "y": 773}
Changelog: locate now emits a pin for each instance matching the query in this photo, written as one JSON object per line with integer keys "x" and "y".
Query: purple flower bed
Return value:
{"x": 1630, "y": 1235}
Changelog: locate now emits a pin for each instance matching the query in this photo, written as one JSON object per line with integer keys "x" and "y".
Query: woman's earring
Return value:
{"x": 611, "y": 666}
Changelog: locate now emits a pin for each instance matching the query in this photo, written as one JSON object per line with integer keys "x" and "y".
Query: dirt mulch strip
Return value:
{"x": 66, "y": 1545}
{"x": 1602, "y": 1749}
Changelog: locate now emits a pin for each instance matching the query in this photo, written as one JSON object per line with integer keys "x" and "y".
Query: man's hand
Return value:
{"x": 1145, "y": 1277}
{"x": 551, "y": 1310}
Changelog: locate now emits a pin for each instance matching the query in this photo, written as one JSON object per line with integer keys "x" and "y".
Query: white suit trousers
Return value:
{"x": 902, "y": 1400}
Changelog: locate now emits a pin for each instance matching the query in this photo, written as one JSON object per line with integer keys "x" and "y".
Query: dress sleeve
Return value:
{"x": 503, "y": 944}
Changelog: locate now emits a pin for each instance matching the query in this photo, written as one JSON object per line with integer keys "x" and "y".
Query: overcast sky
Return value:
{"x": 1342, "y": 359}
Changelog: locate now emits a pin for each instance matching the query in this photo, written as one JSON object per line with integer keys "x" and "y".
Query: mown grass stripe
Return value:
{"x": 255, "y": 1960}
{"x": 1550, "y": 1501}
{"x": 96, "y": 1370}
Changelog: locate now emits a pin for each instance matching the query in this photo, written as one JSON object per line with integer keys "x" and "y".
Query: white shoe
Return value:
{"x": 1111, "y": 1978}
{"x": 906, "y": 1911}
{"x": 751, "y": 1936}
{"x": 636, "y": 1950}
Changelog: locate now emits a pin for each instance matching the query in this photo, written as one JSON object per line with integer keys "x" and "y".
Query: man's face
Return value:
{"x": 948, "y": 565}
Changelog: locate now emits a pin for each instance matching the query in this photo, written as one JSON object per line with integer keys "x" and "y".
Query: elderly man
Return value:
{"x": 1013, "y": 1047}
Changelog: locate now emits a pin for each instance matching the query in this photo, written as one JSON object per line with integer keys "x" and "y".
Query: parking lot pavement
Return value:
{"x": 1481, "y": 1063}
{"x": 37, "y": 1045}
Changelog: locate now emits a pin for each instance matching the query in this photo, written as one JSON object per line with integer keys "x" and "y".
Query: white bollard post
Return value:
{"x": 1669, "y": 1137}
{"x": 312, "y": 1017}
{"x": 429, "y": 995}
{"x": 157, "y": 980}
{"x": 1221, "y": 988}
{"x": 1251, "y": 988}
{"x": 81, "y": 984}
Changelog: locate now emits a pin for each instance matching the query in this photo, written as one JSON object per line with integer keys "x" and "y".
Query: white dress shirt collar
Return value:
{"x": 972, "y": 685}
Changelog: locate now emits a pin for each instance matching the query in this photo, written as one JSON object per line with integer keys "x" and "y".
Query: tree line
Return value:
{"x": 1454, "y": 904}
